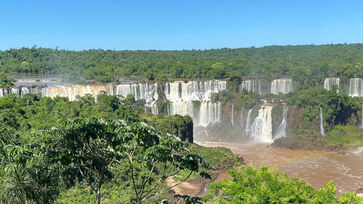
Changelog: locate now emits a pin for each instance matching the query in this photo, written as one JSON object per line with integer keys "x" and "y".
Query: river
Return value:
{"x": 315, "y": 167}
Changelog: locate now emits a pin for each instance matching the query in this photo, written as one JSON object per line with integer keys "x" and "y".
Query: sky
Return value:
{"x": 177, "y": 24}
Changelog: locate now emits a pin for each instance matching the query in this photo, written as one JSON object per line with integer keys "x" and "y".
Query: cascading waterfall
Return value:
{"x": 328, "y": 82}
{"x": 356, "y": 87}
{"x": 232, "y": 115}
{"x": 145, "y": 91}
{"x": 181, "y": 96}
{"x": 69, "y": 91}
{"x": 72, "y": 91}
{"x": 210, "y": 113}
{"x": 261, "y": 129}
{"x": 248, "y": 123}
{"x": 193, "y": 90}
{"x": 252, "y": 85}
{"x": 283, "y": 86}
{"x": 322, "y": 132}
{"x": 281, "y": 129}
{"x": 139, "y": 91}
{"x": 181, "y": 108}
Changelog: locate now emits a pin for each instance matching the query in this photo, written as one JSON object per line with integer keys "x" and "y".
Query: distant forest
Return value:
{"x": 306, "y": 64}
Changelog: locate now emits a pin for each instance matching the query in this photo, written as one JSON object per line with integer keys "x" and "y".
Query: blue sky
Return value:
{"x": 177, "y": 24}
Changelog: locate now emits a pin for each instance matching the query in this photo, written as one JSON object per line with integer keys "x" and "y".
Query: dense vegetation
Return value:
{"x": 265, "y": 185}
{"x": 56, "y": 150}
{"x": 63, "y": 151}
{"x": 5, "y": 81}
{"x": 341, "y": 114}
{"x": 305, "y": 64}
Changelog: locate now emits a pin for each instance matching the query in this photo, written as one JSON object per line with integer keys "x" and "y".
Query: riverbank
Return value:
{"x": 315, "y": 167}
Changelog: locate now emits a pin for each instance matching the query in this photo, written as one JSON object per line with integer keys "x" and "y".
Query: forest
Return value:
{"x": 61, "y": 151}
{"x": 110, "y": 150}
{"x": 306, "y": 64}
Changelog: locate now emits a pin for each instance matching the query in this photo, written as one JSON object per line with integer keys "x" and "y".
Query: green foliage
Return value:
{"x": 180, "y": 126}
{"x": 337, "y": 108}
{"x": 342, "y": 136}
{"x": 5, "y": 82}
{"x": 265, "y": 185}
{"x": 28, "y": 174}
{"x": 244, "y": 98}
{"x": 78, "y": 152}
{"x": 305, "y": 64}
{"x": 218, "y": 157}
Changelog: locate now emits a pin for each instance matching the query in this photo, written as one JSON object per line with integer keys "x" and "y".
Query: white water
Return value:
{"x": 69, "y": 91}
{"x": 281, "y": 130}
{"x": 283, "y": 86}
{"x": 72, "y": 91}
{"x": 261, "y": 130}
{"x": 356, "y": 87}
{"x": 19, "y": 92}
{"x": 329, "y": 82}
{"x": 193, "y": 90}
{"x": 252, "y": 85}
{"x": 181, "y": 96}
{"x": 248, "y": 123}
{"x": 232, "y": 115}
{"x": 322, "y": 132}
{"x": 139, "y": 91}
{"x": 145, "y": 91}
{"x": 210, "y": 113}
{"x": 207, "y": 113}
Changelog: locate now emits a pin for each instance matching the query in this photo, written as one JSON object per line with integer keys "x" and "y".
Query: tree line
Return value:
{"x": 306, "y": 64}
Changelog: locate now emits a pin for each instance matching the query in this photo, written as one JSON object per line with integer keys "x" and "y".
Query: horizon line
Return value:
{"x": 194, "y": 49}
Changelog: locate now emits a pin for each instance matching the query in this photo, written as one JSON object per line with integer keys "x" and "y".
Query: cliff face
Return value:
{"x": 300, "y": 132}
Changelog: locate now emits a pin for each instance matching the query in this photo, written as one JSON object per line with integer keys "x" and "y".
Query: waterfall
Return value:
{"x": 251, "y": 85}
{"x": 181, "y": 96}
{"x": 72, "y": 91}
{"x": 141, "y": 91}
{"x": 281, "y": 129}
{"x": 193, "y": 90}
{"x": 362, "y": 117}
{"x": 283, "y": 86}
{"x": 145, "y": 91}
{"x": 181, "y": 108}
{"x": 321, "y": 123}
{"x": 248, "y": 123}
{"x": 356, "y": 87}
{"x": 328, "y": 82}
{"x": 232, "y": 115}
{"x": 19, "y": 91}
{"x": 261, "y": 129}
{"x": 210, "y": 113}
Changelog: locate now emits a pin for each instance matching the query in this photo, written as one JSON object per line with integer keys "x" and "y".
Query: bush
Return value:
{"x": 265, "y": 185}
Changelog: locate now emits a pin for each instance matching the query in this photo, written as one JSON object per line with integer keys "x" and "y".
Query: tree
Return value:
{"x": 265, "y": 185}
{"x": 29, "y": 176}
{"x": 5, "y": 82}
{"x": 88, "y": 147}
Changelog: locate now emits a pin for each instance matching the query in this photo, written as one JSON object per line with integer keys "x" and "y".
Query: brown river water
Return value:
{"x": 315, "y": 167}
